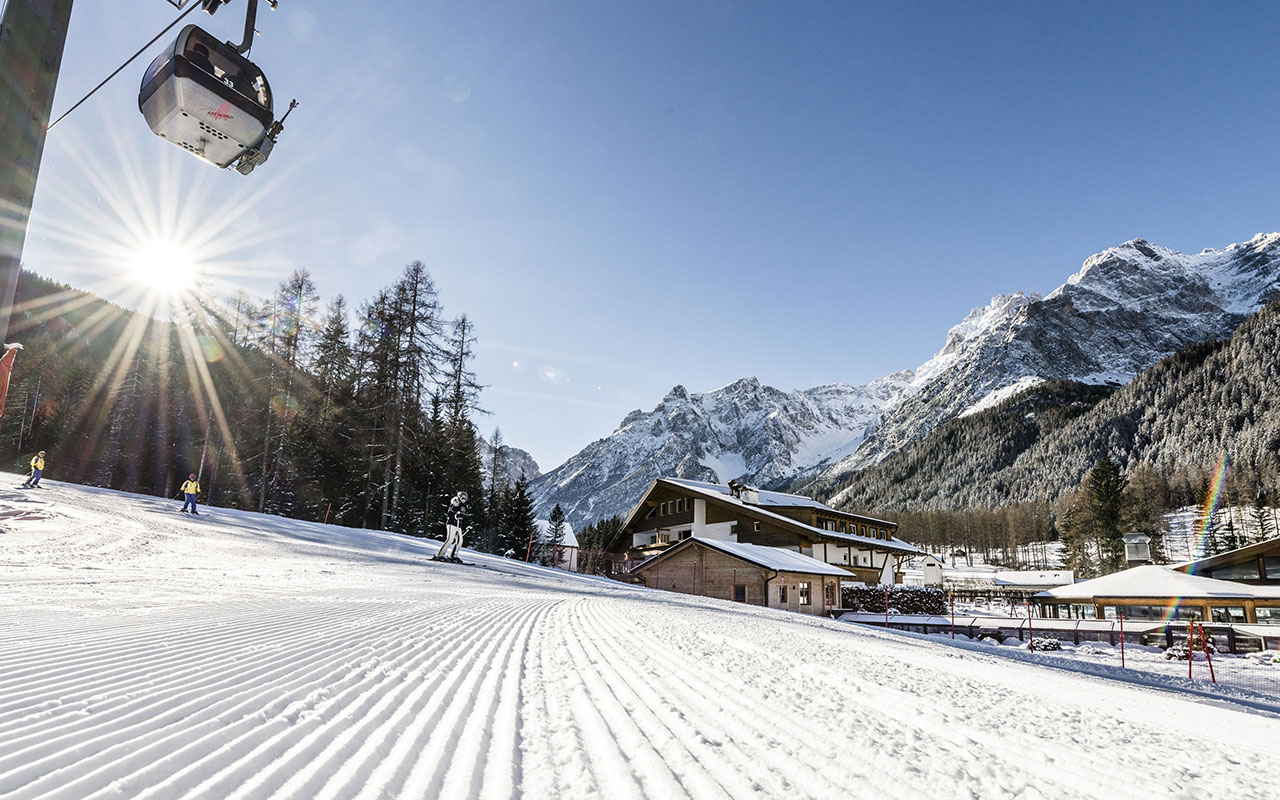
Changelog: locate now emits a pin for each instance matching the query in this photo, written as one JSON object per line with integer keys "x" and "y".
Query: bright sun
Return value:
{"x": 164, "y": 268}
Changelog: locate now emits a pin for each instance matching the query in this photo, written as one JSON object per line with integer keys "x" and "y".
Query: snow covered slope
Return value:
{"x": 146, "y": 654}
{"x": 743, "y": 430}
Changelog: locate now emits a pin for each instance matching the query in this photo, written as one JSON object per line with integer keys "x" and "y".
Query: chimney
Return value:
{"x": 1137, "y": 549}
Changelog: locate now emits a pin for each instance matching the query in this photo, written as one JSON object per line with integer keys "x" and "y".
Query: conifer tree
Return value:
{"x": 1262, "y": 519}
{"x": 518, "y": 528}
{"x": 1104, "y": 490}
{"x": 557, "y": 530}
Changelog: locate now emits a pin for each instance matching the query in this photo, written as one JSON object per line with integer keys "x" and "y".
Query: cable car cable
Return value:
{"x": 181, "y": 17}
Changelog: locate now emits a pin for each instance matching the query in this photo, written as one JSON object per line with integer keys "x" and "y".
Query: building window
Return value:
{"x": 1232, "y": 572}
{"x": 1227, "y": 614}
{"x": 739, "y": 593}
{"x": 757, "y": 527}
{"x": 804, "y": 594}
{"x": 829, "y": 594}
{"x": 782, "y": 598}
{"x": 682, "y": 535}
{"x": 652, "y": 513}
{"x": 1266, "y": 615}
{"x": 863, "y": 528}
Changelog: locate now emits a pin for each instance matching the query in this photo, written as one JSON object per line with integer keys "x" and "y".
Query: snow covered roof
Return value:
{"x": 774, "y": 499}
{"x": 1033, "y": 577}
{"x": 1247, "y": 553}
{"x": 1157, "y": 581}
{"x": 892, "y": 543}
{"x": 775, "y": 558}
{"x": 570, "y": 540}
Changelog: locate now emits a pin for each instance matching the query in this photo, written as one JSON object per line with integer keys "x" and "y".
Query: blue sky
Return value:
{"x": 629, "y": 196}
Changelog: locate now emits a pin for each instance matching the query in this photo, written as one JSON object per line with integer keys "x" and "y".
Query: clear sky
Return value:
{"x": 627, "y": 196}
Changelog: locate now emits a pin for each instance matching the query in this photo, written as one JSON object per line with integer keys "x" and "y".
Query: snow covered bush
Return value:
{"x": 1179, "y": 650}
{"x": 902, "y": 599}
{"x": 1045, "y": 643}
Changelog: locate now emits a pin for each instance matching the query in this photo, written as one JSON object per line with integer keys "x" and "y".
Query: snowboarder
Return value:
{"x": 191, "y": 488}
{"x": 37, "y": 470}
{"x": 453, "y": 530}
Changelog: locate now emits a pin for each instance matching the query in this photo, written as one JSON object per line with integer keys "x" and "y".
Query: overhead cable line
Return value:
{"x": 181, "y": 17}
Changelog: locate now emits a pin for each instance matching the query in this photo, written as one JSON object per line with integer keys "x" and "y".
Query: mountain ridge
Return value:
{"x": 1126, "y": 308}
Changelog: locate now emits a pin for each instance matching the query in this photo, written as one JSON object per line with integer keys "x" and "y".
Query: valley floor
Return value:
{"x": 147, "y": 654}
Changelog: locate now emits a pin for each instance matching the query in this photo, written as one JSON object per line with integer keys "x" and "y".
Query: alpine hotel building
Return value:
{"x": 758, "y": 547}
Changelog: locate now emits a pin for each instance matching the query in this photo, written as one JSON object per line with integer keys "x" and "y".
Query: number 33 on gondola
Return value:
{"x": 206, "y": 97}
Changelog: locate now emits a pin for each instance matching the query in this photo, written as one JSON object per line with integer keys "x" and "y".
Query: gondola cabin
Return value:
{"x": 205, "y": 97}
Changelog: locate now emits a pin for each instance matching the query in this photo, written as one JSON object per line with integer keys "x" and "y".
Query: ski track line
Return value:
{"x": 441, "y": 733}
{"x": 771, "y": 728}
{"x": 343, "y": 688}
{"x": 552, "y": 747}
{"x": 601, "y": 752}
{"x": 658, "y": 684}
{"x": 250, "y": 742}
{"x": 89, "y": 660}
{"x": 242, "y": 689}
{"x": 875, "y": 741}
{"x": 215, "y": 653}
{"x": 400, "y": 735}
{"x": 703, "y": 773}
{"x": 780, "y": 742}
{"x": 299, "y": 762}
{"x": 476, "y": 740}
{"x": 115, "y": 734}
{"x": 282, "y": 711}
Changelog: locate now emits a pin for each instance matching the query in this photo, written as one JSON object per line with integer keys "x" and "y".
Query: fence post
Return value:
{"x": 1204, "y": 641}
{"x": 326, "y": 514}
{"x": 953, "y": 615}
{"x": 1031, "y": 635}
{"x": 1191, "y": 641}
{"x": 886, "y": 607}
{"x": 1121, "y": 618}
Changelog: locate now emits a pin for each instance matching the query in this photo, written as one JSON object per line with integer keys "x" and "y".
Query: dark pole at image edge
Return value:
{"x": 32, "y": 36}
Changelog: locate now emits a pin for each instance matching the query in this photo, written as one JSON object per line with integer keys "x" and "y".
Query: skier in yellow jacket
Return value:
{"x": 37, "y": 469}
{"x": 191, "y": 488}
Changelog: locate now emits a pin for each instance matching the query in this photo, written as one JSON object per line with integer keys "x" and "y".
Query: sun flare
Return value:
{"x": 163, "y": 267}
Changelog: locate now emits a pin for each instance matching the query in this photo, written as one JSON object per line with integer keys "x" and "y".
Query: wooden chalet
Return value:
{"x": 745, "y": 573}
{"x": 673, "y": 510}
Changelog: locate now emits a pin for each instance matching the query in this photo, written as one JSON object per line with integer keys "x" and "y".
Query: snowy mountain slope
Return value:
{"x": 145, "y": 654}
{"x": 743, "y": 430}
{"x": 517, "y": 462}
{"x": 1127, "y": 308}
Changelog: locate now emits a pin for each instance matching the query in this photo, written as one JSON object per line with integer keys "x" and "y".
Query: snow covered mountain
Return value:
{"x": 1126, "y": 308}
{"x": 742, "y": 430}
{"x": 516, "y": 461}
